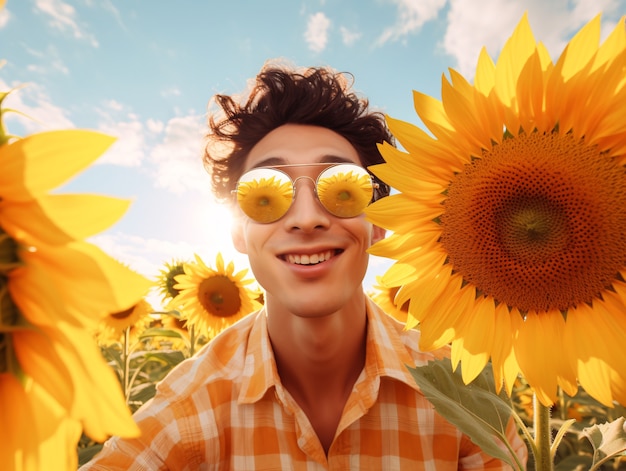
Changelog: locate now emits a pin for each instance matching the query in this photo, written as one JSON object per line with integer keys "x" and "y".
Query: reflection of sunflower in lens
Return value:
{"x": 345, "y": 194}
{"x": 385, "y": 296}
{"x": 266, "y": 199}
{"x": 112, "y": 326}
{"x": 213, "y": 299}
{"x": 511, "y": 245}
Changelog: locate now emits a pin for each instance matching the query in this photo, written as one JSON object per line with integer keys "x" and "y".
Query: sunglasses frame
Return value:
{"x": 329, "y": 165}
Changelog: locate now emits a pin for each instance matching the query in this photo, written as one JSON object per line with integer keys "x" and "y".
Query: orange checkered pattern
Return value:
{"x": 227, "y": 409}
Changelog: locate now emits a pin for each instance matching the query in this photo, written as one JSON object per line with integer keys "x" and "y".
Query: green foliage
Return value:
{"x": 139, "y": 367}
{"x": 608, "y": 440}
{"x": 587, "y": 436}
{"x": 475, "y": 408}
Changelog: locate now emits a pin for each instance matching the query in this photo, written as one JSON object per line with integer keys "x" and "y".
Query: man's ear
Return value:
{"x": 378, "y": 233}
{"x": 236, "y": 234}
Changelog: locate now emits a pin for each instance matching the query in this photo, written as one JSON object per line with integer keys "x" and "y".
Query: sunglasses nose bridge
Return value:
{"x": 314, "y": 195}
{"x": 303, "y": 177}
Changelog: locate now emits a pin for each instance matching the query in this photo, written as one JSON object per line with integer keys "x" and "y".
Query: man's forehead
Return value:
{"x": 321, "y": 160}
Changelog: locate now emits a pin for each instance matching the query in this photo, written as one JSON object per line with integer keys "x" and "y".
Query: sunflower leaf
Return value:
{"x": 160, "y": 332}
{"x": 474, "y": 408}
{"x": 608, "y": 440}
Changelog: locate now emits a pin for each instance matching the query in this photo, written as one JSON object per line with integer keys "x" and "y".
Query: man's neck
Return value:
{"x": 319, "y": 360}
{"x": 315, "y": 344}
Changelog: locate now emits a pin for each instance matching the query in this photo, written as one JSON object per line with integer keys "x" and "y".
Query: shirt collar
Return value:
{"x": 386, "y": 354}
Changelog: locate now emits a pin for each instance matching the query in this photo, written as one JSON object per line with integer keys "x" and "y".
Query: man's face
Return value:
{"x": 310, "y": 262}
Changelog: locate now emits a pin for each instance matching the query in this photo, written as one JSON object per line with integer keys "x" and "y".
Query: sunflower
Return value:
{"x": 136, "y": 317}
{"x": 166, "y": 279}
{"x": 509, "y": 221}
{"x": 54, "y": 288}
{"x": 172, "y": 330}
{"x": 385, "y": 296}
{"x": 213, "y": 299}
{"x": 264, "y": 198}
{"x": 345, "y": 191}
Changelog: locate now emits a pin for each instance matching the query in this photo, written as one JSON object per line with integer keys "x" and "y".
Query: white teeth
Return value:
{"x": 310, "y": 259}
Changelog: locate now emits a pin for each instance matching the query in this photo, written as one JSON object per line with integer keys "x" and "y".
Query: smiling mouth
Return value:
{"x": 310, "y": 259}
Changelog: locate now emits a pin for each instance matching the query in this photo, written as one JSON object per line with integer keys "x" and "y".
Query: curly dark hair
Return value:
{"x": 316, "y": 96}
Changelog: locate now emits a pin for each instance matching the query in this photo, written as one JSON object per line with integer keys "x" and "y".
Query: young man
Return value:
{"x": 318, "y": 378}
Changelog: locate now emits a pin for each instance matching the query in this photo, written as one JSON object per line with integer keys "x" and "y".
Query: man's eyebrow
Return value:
{"x": 269, "y": 162}
{"x": 330, "y": 159}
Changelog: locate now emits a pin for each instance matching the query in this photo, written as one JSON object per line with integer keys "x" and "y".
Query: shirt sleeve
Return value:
{"x": 169, "y": 440}
{"x": 147, "y": 452}
{"x": 475, "y": 459}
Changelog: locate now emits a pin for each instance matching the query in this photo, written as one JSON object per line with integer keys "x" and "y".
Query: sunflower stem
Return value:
{"x": 192, "y": 340}
{"x": 126, "y": 363}
{"x": 543, "y": 436}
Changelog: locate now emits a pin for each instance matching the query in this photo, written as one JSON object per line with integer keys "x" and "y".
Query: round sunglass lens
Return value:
{"x": 264, "y": 194}
{"x": 345, "y": 190}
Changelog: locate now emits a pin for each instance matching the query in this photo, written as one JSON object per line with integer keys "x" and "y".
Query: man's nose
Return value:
{"x": 306, "y": 212}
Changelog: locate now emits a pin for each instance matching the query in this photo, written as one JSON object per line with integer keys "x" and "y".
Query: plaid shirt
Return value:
{"x": 227, "y": 409}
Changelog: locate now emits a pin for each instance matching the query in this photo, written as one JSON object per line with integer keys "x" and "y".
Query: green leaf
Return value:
{"x": 170, "y": 358}
{"x": 608, "y": 440}
{"x": 160, "y": 332}
{"x": 87, "y": 453}
{"x": 574, "y": 462}
{"x": 474, "y": 408}
{"x": 142, "y": 393}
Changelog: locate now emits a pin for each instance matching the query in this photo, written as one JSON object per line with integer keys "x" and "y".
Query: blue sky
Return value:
{"x": 144, "y": 71}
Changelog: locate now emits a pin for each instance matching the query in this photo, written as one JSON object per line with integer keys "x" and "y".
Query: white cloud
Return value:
{"x": 553, "y": 22}
{"x": 348, "y": 36}
{"x": 172, "y": 91}
{"x": 114, "y": 105}
{"x": 49, "y": 60}
{"x": 39, "y": 114}
{"x": 177, "y": 158}
{"x": 38, "y": 69}
{"x": 155, "y": 126}
{"x": 144, "y": 255}
{"x": 128, "y": 149}
{"x": 5, "y": 16}
{"x": 412, "y": 15}
{"x": 107, "y": 6}
{"x": 63, "y": 17}
{"x": 316, "y": 34}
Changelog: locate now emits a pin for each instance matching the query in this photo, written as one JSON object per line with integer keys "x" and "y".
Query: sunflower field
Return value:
{"x": 507, "y": 226}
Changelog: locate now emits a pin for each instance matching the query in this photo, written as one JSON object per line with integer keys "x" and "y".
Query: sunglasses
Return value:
{"x": 265, "y": 194}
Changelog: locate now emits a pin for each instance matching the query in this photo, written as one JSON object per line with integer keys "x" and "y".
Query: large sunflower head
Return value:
{"x": 509, "y": 219}
{"x": 214, "y": 298}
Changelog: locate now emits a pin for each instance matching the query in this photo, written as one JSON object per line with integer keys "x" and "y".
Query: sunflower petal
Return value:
{"x": 38, "y": 355}
{"x": 58, "y": 433}
{"x": 106, "y": 285}
{"x": 580, "y": 49}
{"x": 16, "y": 433}
{"x": 38, "y": 163}
{"x": 517, "y": 49}
{"x": 59, "y": 219}
{"x": 530, "y": 353}
{"x": 99, "y": 403}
